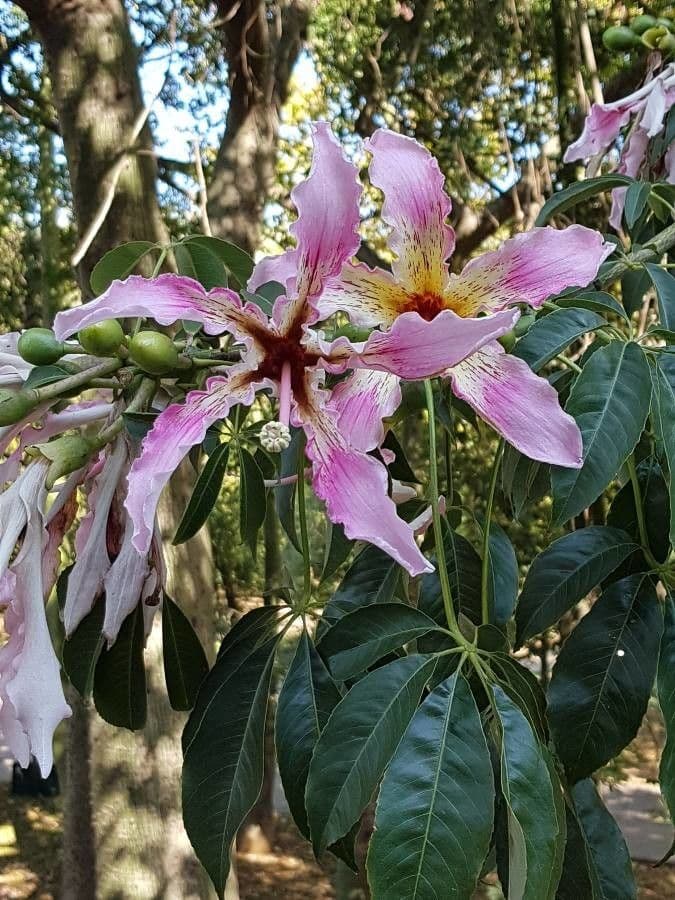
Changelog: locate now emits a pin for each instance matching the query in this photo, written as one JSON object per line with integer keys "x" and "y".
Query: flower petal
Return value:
{"x": 528, "y": 268}
{"x": 416, "y": 208}
{"x": 370, "y": 297}
{"x": 414, "y": 348}
{"x": 602, "y": 126}
{"x": 326, "y": 230}
{"x": 176, "y": 430}
{"x": 281, "y": 268}
{"x": 123, "y": 584}
{"x": 361, "y": 401}
{"x": 166, "y": 299}
{"x": 354, "y": 485}
{"x": 519, "y": 405}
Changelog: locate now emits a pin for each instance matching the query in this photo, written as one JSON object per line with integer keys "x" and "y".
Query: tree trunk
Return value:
{"x": 141, "y": 848}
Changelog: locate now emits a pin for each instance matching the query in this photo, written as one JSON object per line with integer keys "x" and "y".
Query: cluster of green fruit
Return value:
{"x": 642, "y": 31}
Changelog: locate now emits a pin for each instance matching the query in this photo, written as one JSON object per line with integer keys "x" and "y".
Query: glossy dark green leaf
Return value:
{"x": 252, "y": 499}
{"x": 118, "y": 263}
{"x": 120, "y": 693}
{"x": 223, "y": 746}
{"x": 610, "y": 402}
{"x": 306, "y": 700}
{"x": 373, "y": 577}
{"x": 663, "y": 422}
{"x": 235, "y": 260}
{"x": 357, "y": 744}
{"x": 435, "y": 809}
{"x": 635, "y": 202}
{"x": 502, "y": 575}
{"x": 552, "y": 333}
{"x": 284, "y": 495}
{"x": 578, "y": 192}
{"x": 634, "y": 284}
{"x": 464, "y": 571}
{"x": 565, "y": 572}
{"x": 204, "y": 494}
{"x": 524, "y": 689}
{"x": 533, "y": 827}
{"x": 524, "y": 481}
{"x": 400, "y": 467}
{"x": 82, "y": 649}
{"x": 598, "y": 301}
{"x": 665, "y": 683}
{"x": 199, "y": 263}
{"x": 603, "y": 678}
{"x": 39, "y": 376}
{"x": 185, "y": 663}
{"x": 664, "y": 284}
{"x": 362, "y": 637}
{"x": 656, "y": 503}
{"x": 338, "y": 548}
{"x": 138, "y": 424}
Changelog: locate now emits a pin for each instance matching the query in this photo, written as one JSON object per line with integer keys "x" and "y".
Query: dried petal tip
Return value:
{"x": 275, "y": 437}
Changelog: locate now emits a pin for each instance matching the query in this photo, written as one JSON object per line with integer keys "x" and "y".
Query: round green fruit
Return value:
{"x": 39, "y": 347}
{"x": 641, "y": 23}
{"x": 666, "y": 23}
{"x": 153, "y": 352}
{"x": 619, "y": 37}
{"x": 101, "y": 339}
{"x": 15, "y": 405}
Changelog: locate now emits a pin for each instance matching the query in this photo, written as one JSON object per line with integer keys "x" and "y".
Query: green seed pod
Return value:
{"x": 619, "y": 37}
{"x": 101, "y": 339}
{"x": 15, "y": 406}
{"x": 66, "y": 454}
{"x": 640, "y": 24}
{"x": 153, "y": 352}
{"x": 508, "y": 340}
{"x": 666, "y": 23}
{"x": 652, "y": 36}
{"x": 524, "y": 324}
{"x": 39, "y": 347}
{"x": 667, "y": 43}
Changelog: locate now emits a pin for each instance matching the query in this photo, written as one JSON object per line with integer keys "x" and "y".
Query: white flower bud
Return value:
{"x": 275, "y": 437}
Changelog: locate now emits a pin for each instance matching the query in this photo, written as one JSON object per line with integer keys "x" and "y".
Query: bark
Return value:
{"x": 261, "y": 50}
{"x": 141, "y": 847}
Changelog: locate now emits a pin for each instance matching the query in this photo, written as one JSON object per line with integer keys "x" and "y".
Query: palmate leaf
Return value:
{"x": 663, "y": 421}
{"x": 604, "y": 674}
{"x": 524, "y": 689}
{"x": 464, "y": 571}
{"x": 252, "y": 499}
{"x": 502, "y": 575}
{"x": 665, "y": 683}
{"x": 357, "y": 744}
{"x": 664, "y": 284}
{"x": 656, "y": 503}
{"x": 598, "y": 301}
{"x": 536, "y": 836}
{"x": 120, "y": 693}
{"x": 185, "y": 663}
{"x": 82, "y": 649}
{"x": 565, "y": 573}
{"x": 118, "y": 263}
{"x": 610, "y": 402}
{"x": 223, "y": 743}
{"x": 306, "y": 700}
{"x": 435, "y": 809}
{"x": 552, "y": 333}
{"x": 579, "y": 191}
{"x": 204, "y": 494}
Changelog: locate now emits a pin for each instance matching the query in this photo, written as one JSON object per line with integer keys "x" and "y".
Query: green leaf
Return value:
{"x": 533, "y": 827}
{"x": 306, "y": 700}
{"x": 602, "y": 680}
{"x": 252, "y": 499}
{"x": 185, "y": 663}
{"x": 118, "y": 263}
{"x": 665, "y": 683}
{"x": 464, "y": 571}
{"x": 362, "y": 637}
{"x": 235, "y": 260}
{"x": 223, "y": 745}
{"x": 338, "y": 548}
{"x": 400, "y": 467}
{"x": 284, "y": 495}
{"x": 39, "y": 376}
{"x": 502, "y": 575}
{"x": 198, "y": 263}
{"x": 577, "y": 193}
{"x": 664, "y": 284}
{"x": 656, "y": 503}
{"x": 634, "y": 284}
{"x": 524, "y": 481}
{"x": 597, "y": 862}
{"x": 552, "y": 333}
{"x": 435, "y": 809}
{"x": 524, "y": 689}
{"x": 204, "y": 494}
{"x": 635, "y": 202}
{"x": 610, "y": 402}
{"x": 373, "y": 577}
{"x": 120, "y": 693}
{"x": 357, "y": 743}
{"x": 663, "y": 422}
{"x": 82, "y": 649}
{"x": 598, "y": 301}
{"x": 565, "y": 573}
{"x": 138, "y": 424}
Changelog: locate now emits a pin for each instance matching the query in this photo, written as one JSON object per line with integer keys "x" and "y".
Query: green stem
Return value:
{"x": 141, "y": 398}
{"x": 656, "y": 248}
{"x": 304, "y": 535}
{"x": 569, "y": 363}
{"x": 640, "y": 513}
{"x": 446, "y": 591}
{"x": 484, "y": 593}
{"x": 78, "y": 380}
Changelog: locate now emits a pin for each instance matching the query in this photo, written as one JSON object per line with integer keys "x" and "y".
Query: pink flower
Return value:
{"x": 283, "y": 354}
{"x": 13, "y": 369}
{"x": 526, "y": 269}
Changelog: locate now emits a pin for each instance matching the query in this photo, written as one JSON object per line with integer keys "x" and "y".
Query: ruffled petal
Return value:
{"x": 414, "y": 348}
{"x": 416, "y": 208}
{"x": 370, "y": 297}
{"x": 528, "y": 268}
{"x": 519, "y": 405}
{"x": 166, "y": 299}
{"x": 634, "y": 154}
{"x": 176, "y": 430}
{"x": 354, "y": 485}
{"x": 124, "y": 584}
{"x": 326, "y": 230}
{"x": 281, "y": 268}
{"x": 602, "y": 126}
{"x": 362, "y": 401}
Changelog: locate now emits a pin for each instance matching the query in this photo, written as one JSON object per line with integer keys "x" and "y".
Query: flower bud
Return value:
{"x": 275, "y": 437}
{"x": 153, "y": 352}
{"x": 39, "y": 347}
{"x": 66, "y": 454}
{"x": 102, "y": 338}
{"x": 15, "y": 406}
